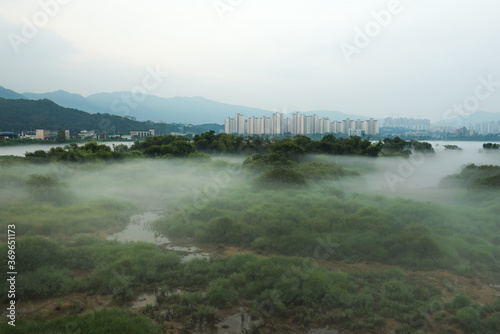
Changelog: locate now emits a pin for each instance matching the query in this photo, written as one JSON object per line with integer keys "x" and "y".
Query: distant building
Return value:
{"x": 356, "y": 132}
{"x": 43, "y": 134}
{"x": 84, "y": 134}
{"x": 485, "y": 128}
{"x": 8, "y": 135}
{"x": 299, "y": 124}
{"x": 28, "y": 134}
{"x": 142, "y": 134}
{"x": 407, "y": 123}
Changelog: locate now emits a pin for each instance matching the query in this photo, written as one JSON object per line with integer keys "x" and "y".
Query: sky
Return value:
{"x": 407, "y": 58}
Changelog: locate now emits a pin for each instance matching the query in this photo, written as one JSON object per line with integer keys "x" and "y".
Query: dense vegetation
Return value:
{"x": 365, "y": 228}
{"x": 475, "y": 177}
{"x": 310, "y": 251}
{"x": 287, "y": 288}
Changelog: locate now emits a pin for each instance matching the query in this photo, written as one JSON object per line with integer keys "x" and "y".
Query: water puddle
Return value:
{"x": 188, "y": 252}
{"x": 238, "y": 323}
{"x": 143, "y": 300}
{"x": 141, "y": 229}
{"x": 150, "y": 298}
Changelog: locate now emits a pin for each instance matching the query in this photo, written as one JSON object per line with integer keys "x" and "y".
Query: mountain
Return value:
{"x": 68, "y": 100}
{"x": 477, "y": 117}
{"x": 193, "y": 110}
{"x": 181, "y": 110}
{"x": 10, "y": 94}
{"x": 22, "y": 115}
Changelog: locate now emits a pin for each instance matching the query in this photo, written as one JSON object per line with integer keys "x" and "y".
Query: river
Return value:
{"x": 20, "y": 150}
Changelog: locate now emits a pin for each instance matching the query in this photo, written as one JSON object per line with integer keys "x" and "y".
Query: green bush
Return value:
{"x": 280, "y": 177}
{"x": 469, "y": 318}
{"x": 220, "y": 293}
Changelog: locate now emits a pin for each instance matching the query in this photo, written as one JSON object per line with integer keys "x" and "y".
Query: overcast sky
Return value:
{"x": 419, "y": 59}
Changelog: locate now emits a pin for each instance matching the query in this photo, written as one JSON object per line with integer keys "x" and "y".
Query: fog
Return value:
{"x": 318, "y": 220}
{"x": 151, "y": 184}
{"x": 417, "y": 177}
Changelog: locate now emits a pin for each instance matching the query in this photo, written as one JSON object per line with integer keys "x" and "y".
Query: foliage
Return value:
{"x": 281, "y": 177}
{"x": 102, "y": 321}
{"x": 364, "y": 228}
{"x": 469, "y": 318}
{"x": 491, "y": 146}
{"x": 397, "y": 145}
{"x": 452, "y": 148}
{"x": 473, "y": 176}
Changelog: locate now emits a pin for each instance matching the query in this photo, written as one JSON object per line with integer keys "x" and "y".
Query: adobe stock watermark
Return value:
{"x": 470, "y": 104}
{"x": 406, "y": 168}
{"x": 39, "y": 20}
{"x": 222, "y": 7}
{"x": 363, "y": 37}
{"x": 128, "y": 101}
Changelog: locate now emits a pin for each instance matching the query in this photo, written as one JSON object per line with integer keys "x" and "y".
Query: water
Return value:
{"x": 141, "y": 229}
{"x": 238, "y": 323}
{"x": 20, "y": 150}
{"x": 150, "y": 299}
{"x": 144, "y": 300}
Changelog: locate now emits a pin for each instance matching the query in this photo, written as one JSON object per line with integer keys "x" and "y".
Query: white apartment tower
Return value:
{"x": 298, "y": 124}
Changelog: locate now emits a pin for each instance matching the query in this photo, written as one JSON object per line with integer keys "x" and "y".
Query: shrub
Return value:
{"x": 469, "y": 318}
{"x": 281, "y": 177}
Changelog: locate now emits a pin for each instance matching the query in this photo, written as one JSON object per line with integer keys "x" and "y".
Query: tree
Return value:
{"x": 61, "y": 136}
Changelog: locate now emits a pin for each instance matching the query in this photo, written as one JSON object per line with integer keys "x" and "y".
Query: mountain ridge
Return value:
{"x": 177, "y": 109}
{"x": 10, "y": 94}
{"x": 27, "y": 115}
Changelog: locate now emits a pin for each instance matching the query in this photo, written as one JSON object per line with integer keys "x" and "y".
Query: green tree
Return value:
{"x": 61, "y": 136}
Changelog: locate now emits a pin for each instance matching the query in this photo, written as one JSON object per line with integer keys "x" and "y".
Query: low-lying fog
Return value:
{"x": 161, "y": 183}
{"x": 416, "y": 177}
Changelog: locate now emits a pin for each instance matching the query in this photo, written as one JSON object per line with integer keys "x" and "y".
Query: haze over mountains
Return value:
{"x": 18, "y": 115}
{"x": 465, "y": 120}
{"x": 183, "y": 110}
{"x": 192, "y": 110}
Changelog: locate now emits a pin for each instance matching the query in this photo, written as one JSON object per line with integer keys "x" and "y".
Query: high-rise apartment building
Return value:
{"x": 298, "y": 124}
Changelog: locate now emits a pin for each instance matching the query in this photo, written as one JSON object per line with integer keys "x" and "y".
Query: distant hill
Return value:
{"x": 193, "y": 110}
{"x": 477, "y": 117}
{"x": 181, "y": 110}
{"x": 68, "y": 100}
{"x": 10, "y": 94}
{"x": 22, "y": 115}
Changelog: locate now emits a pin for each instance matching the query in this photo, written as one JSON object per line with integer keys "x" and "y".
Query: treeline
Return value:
{"x": 264, "y": 150}
{"x": 209, "y": 142}
{"x": 475, "y": 177}
{"x": 491, "y": 146}
{"x": 91, "y": 151}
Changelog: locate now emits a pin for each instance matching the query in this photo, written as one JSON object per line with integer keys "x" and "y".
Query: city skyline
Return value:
{"x": 298, "y": 124}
